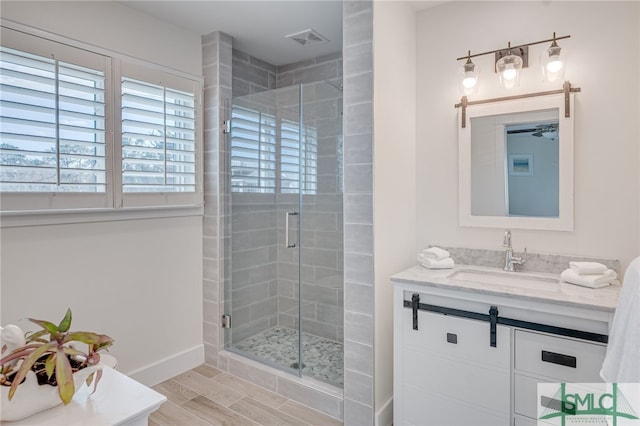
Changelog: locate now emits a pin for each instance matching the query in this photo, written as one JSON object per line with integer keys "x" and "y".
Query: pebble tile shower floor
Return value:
{"x": 322, "y": 358}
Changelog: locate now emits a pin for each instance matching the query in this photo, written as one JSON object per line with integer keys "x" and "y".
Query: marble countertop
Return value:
{"x": 549, "y": 289}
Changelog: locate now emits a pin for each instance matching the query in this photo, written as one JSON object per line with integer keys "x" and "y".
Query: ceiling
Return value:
{"x": 257, "y": 27}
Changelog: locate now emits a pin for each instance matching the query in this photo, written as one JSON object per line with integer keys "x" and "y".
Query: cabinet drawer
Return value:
{"x": 565, "y": 360}
{"x": 523, "y": 421}
{"x": 461, "y": 338}
{"x": 423, "y": 408}
{"x": 526, "y": 395}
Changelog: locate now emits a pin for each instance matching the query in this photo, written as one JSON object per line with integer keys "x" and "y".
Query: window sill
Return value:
{"x": 59, "y": 217}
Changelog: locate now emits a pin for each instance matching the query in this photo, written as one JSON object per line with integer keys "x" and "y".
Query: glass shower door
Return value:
{"x": 283, "y": 274}
{"x": 262, "y": 274}
{"x": 321, "y": 251}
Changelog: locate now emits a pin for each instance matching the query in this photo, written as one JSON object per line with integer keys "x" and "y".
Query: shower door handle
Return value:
{"x": 288, "y": 243}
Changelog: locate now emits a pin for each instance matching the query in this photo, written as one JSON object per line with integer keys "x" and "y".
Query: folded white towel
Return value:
{"x": 436, "y": 264}
{"x": 588, "y": 268}
{"x": 592, "y": 281}
{"x": 435, "y": 253}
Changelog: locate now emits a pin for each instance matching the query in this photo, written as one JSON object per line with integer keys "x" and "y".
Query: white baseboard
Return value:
{"x": 169, "y": 367}
{"x": 384, "y": 416}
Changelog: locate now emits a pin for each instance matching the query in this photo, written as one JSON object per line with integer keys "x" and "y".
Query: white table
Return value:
{"x": 119, "y": 400}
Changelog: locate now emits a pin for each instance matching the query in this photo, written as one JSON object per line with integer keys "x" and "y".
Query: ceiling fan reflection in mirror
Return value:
{"x": 548, "y": 131}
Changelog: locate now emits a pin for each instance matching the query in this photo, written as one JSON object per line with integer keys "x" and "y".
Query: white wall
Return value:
{"x": 139, "y": 281}
{"x": 603, "y": 35}
{"x": 394, "y": 41}
{"x": 110, "y": 25}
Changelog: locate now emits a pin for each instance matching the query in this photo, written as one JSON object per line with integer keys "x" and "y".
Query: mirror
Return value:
{"x": 516, "y": 164}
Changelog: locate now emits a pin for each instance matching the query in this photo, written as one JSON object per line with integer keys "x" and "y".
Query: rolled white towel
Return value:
{"x": 436, "y": 264}
{"x": 588, "y": 268}
{"x": 435, "y": 253}
{"x": 592, "y": 280}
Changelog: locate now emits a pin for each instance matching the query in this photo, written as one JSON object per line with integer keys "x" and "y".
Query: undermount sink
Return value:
{"x": 502, "y": 278}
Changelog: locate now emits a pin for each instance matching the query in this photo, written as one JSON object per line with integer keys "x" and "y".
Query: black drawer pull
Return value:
{"x": 415, "y": 303}
{"x": 560, "y": 359}
{"x": 452, "y": 338}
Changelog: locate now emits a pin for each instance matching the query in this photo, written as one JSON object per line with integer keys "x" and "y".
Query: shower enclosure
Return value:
{"x": 283, "y": 224}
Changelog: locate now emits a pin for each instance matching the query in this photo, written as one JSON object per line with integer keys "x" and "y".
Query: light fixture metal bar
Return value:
{"x": 512, "y": 47}
{"x": 566, "y": 90}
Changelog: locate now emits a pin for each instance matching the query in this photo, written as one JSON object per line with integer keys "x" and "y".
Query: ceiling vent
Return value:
{"x": 308, "y": 37}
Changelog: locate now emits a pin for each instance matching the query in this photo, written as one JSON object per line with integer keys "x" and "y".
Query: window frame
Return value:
{"x": 41, "y": 201}
{"x": 24, "y": 209}
{"x": 147, "y": 199}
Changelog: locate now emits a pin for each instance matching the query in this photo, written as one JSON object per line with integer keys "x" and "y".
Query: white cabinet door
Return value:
{"x": 450, "y": 373}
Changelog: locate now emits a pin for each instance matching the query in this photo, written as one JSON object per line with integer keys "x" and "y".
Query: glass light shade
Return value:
{"x": 553, "y": 61}
{"x": 508, "y": 68}
{"x": 469, "y": 78}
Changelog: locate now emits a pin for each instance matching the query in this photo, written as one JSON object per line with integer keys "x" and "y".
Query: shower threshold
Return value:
{"x": 322, "y": 358}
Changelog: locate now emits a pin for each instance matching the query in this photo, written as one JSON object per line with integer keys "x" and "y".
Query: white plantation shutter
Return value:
{"x": 52, "y": 125}
{"x": 80, "y": 130}
{"x": 256, "y": 155}
{"x": 160, "y": 141}
{"x": 292, "y": 147}
{"x": 253, "y": 151}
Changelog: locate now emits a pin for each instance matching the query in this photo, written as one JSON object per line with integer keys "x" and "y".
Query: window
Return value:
{"x": 297, "y": 152}
{"x": 259, "y": 163}
{"x": 253, "y": 151}
{"x": 58, "y": 110}
{"x": 53, "y": 125}
{"x": 158, "y": 138}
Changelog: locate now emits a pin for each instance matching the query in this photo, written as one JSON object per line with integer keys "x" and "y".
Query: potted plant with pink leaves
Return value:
{"x": 41, "y": 369}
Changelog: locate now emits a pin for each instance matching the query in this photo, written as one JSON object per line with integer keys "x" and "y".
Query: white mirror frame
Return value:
{"x": 564, "y": 221}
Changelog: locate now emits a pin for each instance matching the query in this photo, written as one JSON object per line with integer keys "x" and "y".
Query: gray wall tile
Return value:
{"x": 358, "y": 238}
{"x": 357, "y": 414}
{"x": 359, "y": 357}
{"x": 358, "y": 26}
{"x": 359, "y": 386}
{"x": 358, "y": 178}
{"x": 360, "y": 327}
{"x": 358, "y": 211}
{"x": 326, "y": 403}
{"x": 358, "y": 298}
{"x": 358, "y": 59}
{"x": 360, "y": 115}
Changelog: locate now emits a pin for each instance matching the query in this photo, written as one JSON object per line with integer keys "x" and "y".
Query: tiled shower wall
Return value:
{"x": 357, "y": 36}
{"x": 216, "y": 69}
{"x": 254, "y": 264}
{"x": 251, "y": 75}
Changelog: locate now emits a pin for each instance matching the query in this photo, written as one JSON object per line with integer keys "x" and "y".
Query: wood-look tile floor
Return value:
{"x": 205, "y": 396}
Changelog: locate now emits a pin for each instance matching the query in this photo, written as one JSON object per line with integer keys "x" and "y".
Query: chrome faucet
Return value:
{"x": 509, "y": 259}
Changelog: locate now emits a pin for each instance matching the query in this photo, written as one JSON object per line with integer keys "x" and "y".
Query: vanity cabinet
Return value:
{"x": 466, "y": 355}
{"x": 451, "y": 375}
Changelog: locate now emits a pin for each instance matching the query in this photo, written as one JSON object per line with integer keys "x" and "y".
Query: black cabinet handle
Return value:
{"x": 452, "y": 338}
{"x": 560, "y": 359}
{"x": 493, "y": 321}
{"x": 415, "y": 302}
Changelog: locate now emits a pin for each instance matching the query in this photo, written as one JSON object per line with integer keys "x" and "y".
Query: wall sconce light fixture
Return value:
{"x": 470, "y": 76}
{"x": 508, "y": 68}
{"x": 510, "y": 61}
{"x": 553, "y": 61}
